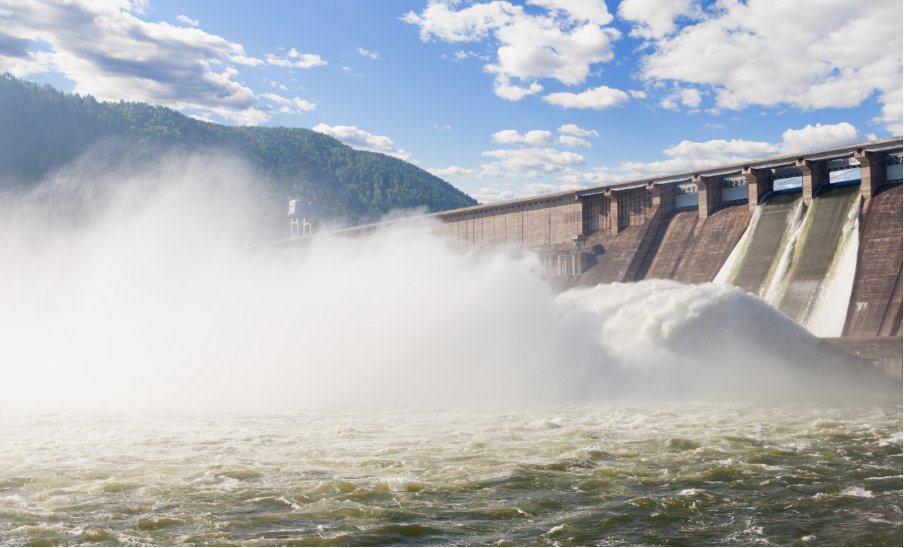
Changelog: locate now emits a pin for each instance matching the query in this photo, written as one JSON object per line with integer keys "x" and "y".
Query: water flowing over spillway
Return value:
{"x": 802, "y": 261}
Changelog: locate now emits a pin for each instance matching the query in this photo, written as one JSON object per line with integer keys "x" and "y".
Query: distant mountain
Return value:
{"x": 42, "y": 128}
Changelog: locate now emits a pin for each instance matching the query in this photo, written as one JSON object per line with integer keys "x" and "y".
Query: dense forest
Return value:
{"x": 42, "y": 128}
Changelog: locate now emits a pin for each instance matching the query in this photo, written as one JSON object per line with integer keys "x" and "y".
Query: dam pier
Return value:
{"x": 818, "y": 235}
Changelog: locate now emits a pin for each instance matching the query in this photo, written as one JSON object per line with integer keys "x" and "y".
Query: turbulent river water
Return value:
{"x": 607, "y": 474}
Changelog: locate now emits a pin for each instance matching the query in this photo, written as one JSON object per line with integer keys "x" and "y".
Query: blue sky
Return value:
{"x": 503, "y": 99}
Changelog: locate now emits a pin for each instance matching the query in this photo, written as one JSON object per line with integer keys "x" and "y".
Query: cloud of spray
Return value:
{"x": 125, "y": 288}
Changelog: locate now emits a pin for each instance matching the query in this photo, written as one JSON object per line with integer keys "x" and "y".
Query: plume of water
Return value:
{"x": 134, "y": 289}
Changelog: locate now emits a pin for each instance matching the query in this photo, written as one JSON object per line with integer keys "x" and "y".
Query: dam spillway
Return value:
{"x": 815, "y": 234}
{"x": 770, "y": 232}
{"x": 817, "y": 246}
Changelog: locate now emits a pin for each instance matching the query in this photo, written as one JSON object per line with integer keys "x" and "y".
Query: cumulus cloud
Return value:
{"x": 532, "y": 138}
{"x": 573, "y": 129}
{"x": 246, "y": 117}
{"x": 572, "y": 142}
{"x": 461, "y": 55}
{"x": 538, "y": 189}
{"x": 596, "y": 98}
{"x": 669, "y": 104}
{"x": 561, "y": 43}
{"x": 361, "y": 140}
{"x": 637, "y": 94}
{"x": 822, "y": 136}
{"x": 372, "y": 54}
{"x": 503, "y": 87}
{"x": 296, "y": 102}
{"x": 892, "y": 111}
{"x": 453, "y": 171}
{"x": 689, "y": 97}
{"x": 112, "y": 54}
{"x": 529, "y": 162}
{"x": 690, "y": 156}
{"x": 489, "y": 195}
{"x": 599, "y": 176}
{"x": 296, "y": 60}
{"x": 810, "y": 54}
{"x": 656, "y": 18}
{"x": 187, "y": 21}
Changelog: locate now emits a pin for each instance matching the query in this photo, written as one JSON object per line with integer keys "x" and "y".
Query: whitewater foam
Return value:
{"x": 139, "y": 293}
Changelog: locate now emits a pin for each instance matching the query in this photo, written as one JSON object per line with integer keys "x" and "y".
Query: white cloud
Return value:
{"x": 503, "y": 87}
{"x": 529, "y": 162}
{"x": 538, "y": 189}
{"x": 762, "y": 53}
{"x": 572, "y": 129}
{"x": 690, "y": 156}
{"x": 599, "y": 176}
{"x": 490, "y": 195}
{"x": 446, "y": 127}
{"x": 112, "y": 54}
{"x": 892, "y": 111}
{"x": 655, "y": 19}
{"x": 572, "y": 142}
{"x": 453, "y": 171}
{"x": 561, "y": 44}
{"x": 715, "y": 126}
{"x": 532, "y": 138}
{"x": 361, "y": 140}
{"x": 461, "y": 55}
{"x": 820, "y": 136}
{"x": 243, "y": 60}
{"x": 637, "y": 94}
{"x": 187, "y": 21}
{"x": 372, "y": 54}
{"x": 246, "y": 117}
{"x": 596, "y": 98}
{"x": 296, "y": 60}
{"x": 669, "y": 104}
{"x": 298, "y": 103}
{"x": 688, "y": 97}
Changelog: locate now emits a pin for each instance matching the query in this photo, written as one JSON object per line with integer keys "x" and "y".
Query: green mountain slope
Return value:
{"x": 42, "y": 128}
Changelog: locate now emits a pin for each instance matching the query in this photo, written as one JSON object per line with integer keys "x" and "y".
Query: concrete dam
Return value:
{"x": 817, "y": 235}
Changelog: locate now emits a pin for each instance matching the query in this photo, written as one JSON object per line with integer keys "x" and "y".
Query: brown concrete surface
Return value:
{"x": 674, "y": 235}
{"x": 613, "y": 254}
{"x": 884, "y": 352}
{"x": 815, "y": 250}
{"x": 712, "y": 244}
{"x": 875, "y": 307}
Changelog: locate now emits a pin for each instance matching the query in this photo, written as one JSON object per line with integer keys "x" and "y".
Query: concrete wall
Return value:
{"x": 540, "y": 223}
{"x": 875, "y": 307}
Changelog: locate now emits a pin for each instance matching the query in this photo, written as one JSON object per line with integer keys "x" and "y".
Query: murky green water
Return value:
{"x": 662, "y": 474}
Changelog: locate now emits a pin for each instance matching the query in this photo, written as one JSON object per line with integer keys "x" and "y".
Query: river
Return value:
{"x": 683, "y": 473}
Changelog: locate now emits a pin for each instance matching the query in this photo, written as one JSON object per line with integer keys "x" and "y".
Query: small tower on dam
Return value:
{"x": 302, "y": 217}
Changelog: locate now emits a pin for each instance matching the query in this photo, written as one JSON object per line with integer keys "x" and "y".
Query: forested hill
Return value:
{"x": 41, "y": 128}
